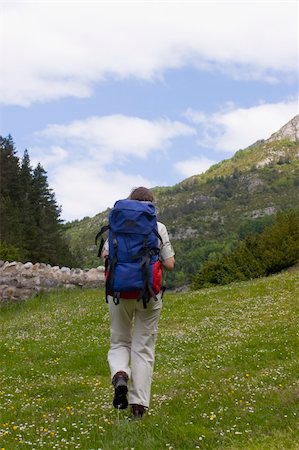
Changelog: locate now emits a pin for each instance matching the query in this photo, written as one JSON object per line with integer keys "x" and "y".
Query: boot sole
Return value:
{"x": 120, "y": 397}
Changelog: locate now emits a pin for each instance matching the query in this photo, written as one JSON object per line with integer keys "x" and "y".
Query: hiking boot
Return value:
{"x": 120, "y": 383}
{"x": 137, "y": 411}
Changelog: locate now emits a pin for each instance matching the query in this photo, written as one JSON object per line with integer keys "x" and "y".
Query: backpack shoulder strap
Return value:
{"x": 102, "y": 230}
{"x": 158, "y": 235}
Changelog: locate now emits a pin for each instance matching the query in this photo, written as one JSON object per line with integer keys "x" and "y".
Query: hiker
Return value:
{"x": 133, "y": 325}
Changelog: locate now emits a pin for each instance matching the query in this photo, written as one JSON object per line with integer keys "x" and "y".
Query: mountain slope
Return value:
{"x": 210, "y": 212}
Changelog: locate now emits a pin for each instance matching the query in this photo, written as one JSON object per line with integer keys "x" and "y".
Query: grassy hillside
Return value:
{"x": 260, "y": 154}
{"x": 256, "y": 182}
{"x": 226, "y": 372}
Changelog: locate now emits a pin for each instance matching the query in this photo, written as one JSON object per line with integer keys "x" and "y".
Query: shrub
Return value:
{"x": 9, "y": 252}
{"x": 276, "y": 248}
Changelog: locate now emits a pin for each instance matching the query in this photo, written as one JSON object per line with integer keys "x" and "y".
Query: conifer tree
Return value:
{"x": 10, "y": 226}
{"x": 51, "y": 246}
{"x": 46, "y": 218}
{"x": 30, "y": 227}
{"x": 28, "y": 222}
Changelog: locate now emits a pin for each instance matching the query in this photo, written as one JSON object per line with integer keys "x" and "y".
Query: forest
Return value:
{"x": 31, "y": 228}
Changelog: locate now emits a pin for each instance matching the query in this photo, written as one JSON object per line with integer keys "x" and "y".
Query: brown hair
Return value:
{"x": 142, "y": 194}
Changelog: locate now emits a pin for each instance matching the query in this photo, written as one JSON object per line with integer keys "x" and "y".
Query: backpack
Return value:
{"x": 133, "y": 268}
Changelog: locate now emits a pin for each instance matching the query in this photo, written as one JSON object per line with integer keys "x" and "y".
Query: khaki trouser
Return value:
{"x": 133, "y": 335}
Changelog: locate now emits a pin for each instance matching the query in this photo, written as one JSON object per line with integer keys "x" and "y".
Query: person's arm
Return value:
{"x": 166, "y": 251}
{"x": 105, "y": 252}
{"x": 168, "y": 263}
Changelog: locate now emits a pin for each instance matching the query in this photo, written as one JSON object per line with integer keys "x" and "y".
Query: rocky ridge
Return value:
{"x": 289, "y": 131}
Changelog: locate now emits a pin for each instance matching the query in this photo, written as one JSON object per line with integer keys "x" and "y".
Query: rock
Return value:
{"x": 24, "y": 294}
{"x": 20, "y": 281}
{"x": 8, "y": 293}
{"x": 289, "y": 131}
{"x": 10, "y": 268}
{"x": 29, "y": 283}
{"x": 2, "y": 288}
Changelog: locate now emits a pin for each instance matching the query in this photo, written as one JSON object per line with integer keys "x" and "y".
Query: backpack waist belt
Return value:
{"x": 129, "y": 295}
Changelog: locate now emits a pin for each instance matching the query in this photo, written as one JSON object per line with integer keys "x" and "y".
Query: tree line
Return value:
{"x": 257, "y": 255}
{"x": 30, "y": 227}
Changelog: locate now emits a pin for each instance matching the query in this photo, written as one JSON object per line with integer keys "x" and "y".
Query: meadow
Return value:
{"x": 226, "y": 372}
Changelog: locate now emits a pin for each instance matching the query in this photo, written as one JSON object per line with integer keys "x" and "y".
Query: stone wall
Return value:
{"x": 20, "y": 281}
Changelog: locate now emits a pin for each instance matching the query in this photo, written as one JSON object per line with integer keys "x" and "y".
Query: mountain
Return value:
{"x": 210, "y": 212}
{"x": 289, "y": 131}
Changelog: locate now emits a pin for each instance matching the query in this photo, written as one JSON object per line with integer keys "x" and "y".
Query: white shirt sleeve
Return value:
{"x": 106, "y": 246}
{"x": 166, "y": 250}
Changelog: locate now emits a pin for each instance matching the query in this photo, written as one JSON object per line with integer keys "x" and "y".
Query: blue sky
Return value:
{"x": 112, "y": 95}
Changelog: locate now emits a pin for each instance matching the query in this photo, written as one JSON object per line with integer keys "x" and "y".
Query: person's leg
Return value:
{"x": 144, "y": 338}
{"x": 121, "y": 317}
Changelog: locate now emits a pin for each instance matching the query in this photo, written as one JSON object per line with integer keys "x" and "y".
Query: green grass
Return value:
{"x": 226, "y": 374}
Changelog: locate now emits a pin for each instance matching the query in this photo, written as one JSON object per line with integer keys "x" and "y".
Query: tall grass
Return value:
{"x": 226, "y": 374}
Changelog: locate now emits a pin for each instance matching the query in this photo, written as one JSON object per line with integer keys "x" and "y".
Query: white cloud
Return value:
{"x": 85, "y": 189}
{"x": 53, "y": 155}
{"x": 193, "y": 166}
{"x": 234, "y": 128}
{"x": 112, "y": 137}
{"x": 82, "y": 172}
{"x": 58, "y": 49}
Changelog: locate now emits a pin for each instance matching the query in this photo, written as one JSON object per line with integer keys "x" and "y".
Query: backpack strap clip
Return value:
{"x": 116, "y": 298}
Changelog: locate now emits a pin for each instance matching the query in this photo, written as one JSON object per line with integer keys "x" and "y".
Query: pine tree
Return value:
{"x": 46, "y": 218}
{"x": 281, "y": 242}
{"x": 30, "y": 217}
{"x": 50, "y": 244}
{"x": 27, "y": 208}
{"x": 10, "y": 225}
{"x": 9, "y": 169}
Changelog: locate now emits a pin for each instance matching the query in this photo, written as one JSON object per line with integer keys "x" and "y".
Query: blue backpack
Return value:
{"x": 133, "y": 268}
